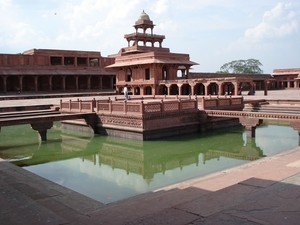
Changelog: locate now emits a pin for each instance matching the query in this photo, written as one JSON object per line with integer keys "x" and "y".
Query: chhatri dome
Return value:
{"x": 144, "y": 16}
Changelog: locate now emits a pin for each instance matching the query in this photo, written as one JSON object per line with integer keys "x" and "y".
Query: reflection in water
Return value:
{"x": 110, "y": 169}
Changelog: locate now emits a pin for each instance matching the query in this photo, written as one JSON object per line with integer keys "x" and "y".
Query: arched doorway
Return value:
{"x": 199, "y": 89}
{"x": 227, "y": 88}
{"x": 186, "y": 89}
{"x": 164, "y": 73}
{"x": 174, "y": 89}
{"x": 137, "y": 90}
{"x": 181, "y": 72}
{"x": 213, "y": 89}
{"x": 148, "y": 90}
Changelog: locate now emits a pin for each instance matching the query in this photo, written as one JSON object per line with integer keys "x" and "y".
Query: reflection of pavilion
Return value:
{"x": 148, "y": 162}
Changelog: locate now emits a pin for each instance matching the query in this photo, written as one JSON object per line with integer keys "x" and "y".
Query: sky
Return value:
{"x": 212, "y": 32}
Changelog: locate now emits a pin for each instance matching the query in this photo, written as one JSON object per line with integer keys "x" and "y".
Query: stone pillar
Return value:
{"x": 111, "y": 82}
{"x": 179, "y": 89}
{"x": 21, "y": 82}
{"x": 266, "y": 87}
{"x": 4, "y": 84}
{"x": 206, "y": 89}
{"x": 42, "y": 129}
{"x": 192, "y": 89}
{"x": 169, "y": 89}
{"x": 250, "y": 125}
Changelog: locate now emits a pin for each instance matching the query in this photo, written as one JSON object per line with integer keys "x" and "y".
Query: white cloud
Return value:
{"x": 279, "y": 21}
{"x": 161, "y": 6}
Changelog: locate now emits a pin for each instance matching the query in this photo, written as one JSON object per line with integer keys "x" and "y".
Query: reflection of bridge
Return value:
{"x": 250, "y": 120}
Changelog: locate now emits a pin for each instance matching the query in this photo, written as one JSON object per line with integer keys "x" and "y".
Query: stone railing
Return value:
{"x": 77, "y": 106}
{"x": 221, "y": 103}
{"x": 127, "y": 107}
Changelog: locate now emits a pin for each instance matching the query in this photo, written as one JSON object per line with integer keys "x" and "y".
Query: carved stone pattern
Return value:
{"x": 128, "y": 122}
{"x": 236, "y": 101}
{"x": 118, "y": 108}
{"x": 152, "y": 108}
{"x": 188, "y": 105}
{"x": 252, "y": 114}
{"x": 103, "y": 106}
{"x": 133, "y": 108}
{"x": 209, "y": 103}
{"x": 171, "y": 106}
{"x": 224, "y": 102}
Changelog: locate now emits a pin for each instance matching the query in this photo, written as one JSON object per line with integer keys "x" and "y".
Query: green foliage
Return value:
{"x": 242, "y": 66}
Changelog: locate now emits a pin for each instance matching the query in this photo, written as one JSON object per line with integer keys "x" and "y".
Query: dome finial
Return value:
{"x": 144, "y": 16}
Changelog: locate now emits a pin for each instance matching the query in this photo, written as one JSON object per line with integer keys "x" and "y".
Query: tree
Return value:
{"x": 242, "y": 66}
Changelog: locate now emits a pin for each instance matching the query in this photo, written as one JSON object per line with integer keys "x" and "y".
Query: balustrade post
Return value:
{"x": 70, "y": 103}
{"x": 143, "y": 107}
{"x": 203, "y": 102}
{"x": 162, "y": 105}
{"x": 80, "y": 105}
{"x": 125, "y": 107}
{"x": 110, "y": 106}
{"x": 116, "y": 99}
{"x": 60, "y": 103}
{"x": 97, "y": 106}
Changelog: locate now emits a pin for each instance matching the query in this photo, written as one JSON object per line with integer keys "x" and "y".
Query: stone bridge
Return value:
{"x": 42, "y": 120}
{"x": 250, "y": 120}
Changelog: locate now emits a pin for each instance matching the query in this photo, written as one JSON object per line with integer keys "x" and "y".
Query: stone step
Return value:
{"x": 27, "y": 113}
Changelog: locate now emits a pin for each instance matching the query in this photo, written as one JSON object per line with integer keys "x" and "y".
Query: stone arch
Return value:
{"x": 148, "y": 90}
{"x": 162, "y": 89}
{"x": 137, "y": 90}
{"x": 165, "y": 73}
{"x": 181, "y": 72}
{"x": 213, "y": 89}
{"x": 128, "y": 74}
{"x": 174, "y": 89}
{"x": 227, "y": 88}
{"x": 186, "y": 89}
{"x": 199, "y": 89}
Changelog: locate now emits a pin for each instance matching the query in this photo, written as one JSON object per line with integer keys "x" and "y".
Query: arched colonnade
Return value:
{"x": 193, "y": 87}
{"x": 29, "y": 83}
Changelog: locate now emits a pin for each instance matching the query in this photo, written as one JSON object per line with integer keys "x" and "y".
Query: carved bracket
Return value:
{"x": 250, "y": 125}
{"x": 42, "y": 129}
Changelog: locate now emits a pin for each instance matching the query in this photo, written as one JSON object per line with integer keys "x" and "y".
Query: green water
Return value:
{"x": 109, "y": 169}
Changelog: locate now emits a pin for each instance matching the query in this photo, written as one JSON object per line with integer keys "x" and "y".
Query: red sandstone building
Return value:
{"x": 150, "y": 69}
{"x": 144, "y": 65}
{"x": 55, "y": 70}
